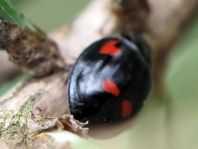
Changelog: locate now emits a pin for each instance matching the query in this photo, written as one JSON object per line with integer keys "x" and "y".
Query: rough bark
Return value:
{"x": 30, "y": 49}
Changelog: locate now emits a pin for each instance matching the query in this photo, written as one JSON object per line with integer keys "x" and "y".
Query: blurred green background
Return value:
{"x": 165, "y": 122}
{"x": 50, "y": 14}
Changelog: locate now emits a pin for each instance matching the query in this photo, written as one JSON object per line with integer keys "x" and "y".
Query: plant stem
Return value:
{"x": 27, "y": 45}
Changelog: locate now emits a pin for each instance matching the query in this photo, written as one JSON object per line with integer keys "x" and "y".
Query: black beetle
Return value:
{"x": 110, "y": 80}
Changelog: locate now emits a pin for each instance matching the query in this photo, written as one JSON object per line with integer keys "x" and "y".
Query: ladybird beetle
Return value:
{"x": 110, "y": 80}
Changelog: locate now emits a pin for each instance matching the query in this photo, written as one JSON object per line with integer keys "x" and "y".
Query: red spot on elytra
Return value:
{"x": 126, "y": 108}
{"x": 110, "y": 48}
{"x": 111, "y": 87}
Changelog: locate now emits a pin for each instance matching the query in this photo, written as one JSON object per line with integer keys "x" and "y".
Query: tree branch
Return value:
{"x": 167, "y": 21}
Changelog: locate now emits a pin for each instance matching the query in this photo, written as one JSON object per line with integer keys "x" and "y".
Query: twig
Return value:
{"x": 39, "y": 56}
{"x": 168, "y": 20}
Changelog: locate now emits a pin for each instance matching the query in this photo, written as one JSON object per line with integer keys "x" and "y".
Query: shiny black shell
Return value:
{"x": 124, "y": 63}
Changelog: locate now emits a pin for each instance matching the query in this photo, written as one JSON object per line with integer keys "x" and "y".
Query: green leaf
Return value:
{"x": 9, "y": 13}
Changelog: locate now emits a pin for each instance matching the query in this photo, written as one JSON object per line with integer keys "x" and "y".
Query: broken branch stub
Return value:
{"x": 131, "y": 15}
{"x": 30, "y": 49}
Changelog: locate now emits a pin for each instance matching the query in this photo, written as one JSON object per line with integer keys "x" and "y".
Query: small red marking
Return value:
{"x": 110, "y": 48}
{"x": 111, "y": 87}
{"x": 126, "y": 108}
